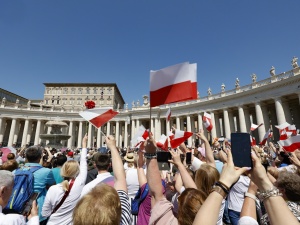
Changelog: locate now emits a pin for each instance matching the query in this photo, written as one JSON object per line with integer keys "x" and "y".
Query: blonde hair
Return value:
{"x": 70, "y": 169}
{"x": 206, "y": 176}
{"x": 100, "y": 206}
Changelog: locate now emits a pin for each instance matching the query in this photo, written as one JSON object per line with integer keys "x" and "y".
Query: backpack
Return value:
{"x": 22, "y": 190}
{"x": 138, "y": 199}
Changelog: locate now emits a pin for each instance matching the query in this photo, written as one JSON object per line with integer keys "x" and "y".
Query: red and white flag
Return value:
{"x": 291, "y": 144}
{"x": 207, "y": 122}
{"x": 292, "y": 129}
{"x": 175, "y": 83}
{"x": 179, "y": 137}
{"x": 168, "y": 114}
{"x": 163, "y": 142}
{"x": 267, "y": 135}
{"x": 282, "y": 126}
{"x": 254, "y": 126}
{"x": 141, "y": 135}
{"x": 98, "y": 116}
{"x": 252, "y": 141}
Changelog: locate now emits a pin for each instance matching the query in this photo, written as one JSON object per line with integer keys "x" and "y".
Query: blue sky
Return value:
{"x": 120, "y": 41}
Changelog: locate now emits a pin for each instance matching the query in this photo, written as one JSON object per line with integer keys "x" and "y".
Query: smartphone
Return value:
{"x": 163, "y": 160}
{"x": 27, "y": 208}
{"x": 241, "y": 149}
{"x": 188, "y": 159}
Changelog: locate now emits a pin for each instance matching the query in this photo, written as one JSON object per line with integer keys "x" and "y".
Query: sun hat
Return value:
{"x": 129, "y": 157}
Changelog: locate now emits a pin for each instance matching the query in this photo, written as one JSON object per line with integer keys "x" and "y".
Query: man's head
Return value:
{"x": 6, "y": 186}
{"x": 34, "y": 154}
{"x": 102, "y": 161}
{"x": 60, "y": 160}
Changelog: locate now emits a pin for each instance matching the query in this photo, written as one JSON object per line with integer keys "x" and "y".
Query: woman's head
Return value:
{"x": 100, "y": 206}
{"x": 206, "y": 176}
{"x": 10, "y": 156}
{"x": 70, "y": 169}
{"x": 189, "y": 203}
{"x": 289, "y": 184}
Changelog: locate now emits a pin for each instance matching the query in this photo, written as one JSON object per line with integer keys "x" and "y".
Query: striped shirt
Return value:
{"x": 126, "y": 218}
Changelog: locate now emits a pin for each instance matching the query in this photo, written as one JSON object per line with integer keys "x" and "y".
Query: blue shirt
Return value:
{"x": 42, "y": 178}
{"x": 56, "y": 174}
{"x": 219, "y": 165}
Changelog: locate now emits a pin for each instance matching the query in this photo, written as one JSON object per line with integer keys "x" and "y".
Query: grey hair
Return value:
{"x": 6, "y": 178}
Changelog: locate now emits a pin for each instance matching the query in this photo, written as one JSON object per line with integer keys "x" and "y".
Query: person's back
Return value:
{"x": 60, "y": 160}
{"x": 43, "y": 177}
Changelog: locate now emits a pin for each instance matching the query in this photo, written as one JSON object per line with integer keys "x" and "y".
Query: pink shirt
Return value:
{"x": 162, "y": 214}
{"x": 144, "y": 209}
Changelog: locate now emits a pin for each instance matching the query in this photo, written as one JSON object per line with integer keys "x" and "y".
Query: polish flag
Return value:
{"x": 163, "y": 142}
{"x": 170, "y": 135}
{"x": 179, "y": 137}
{"x": 291, "y": 144}
{"x": 283, "y": 135}
{"x": 254, "y": 126}
{"x": 267, "y": 135}
{"x": 207, "y": 122}
{"x": 168, "y": 114}
{"x": 252, "y": 141}
{"x": 282, "y": 126}
{"x": 98, "y": 116}
{"x": 141, "y": 135}
{"x": 175, "y": 83}
{"x": 292, "y": 129}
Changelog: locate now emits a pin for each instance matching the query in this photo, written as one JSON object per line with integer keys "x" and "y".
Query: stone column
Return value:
{"x": 133, "y": 128}
{"x": 25, "y": 132}
{"x": 90, "y": 138}
{"x": 259, "y": 118}
{"x": 157, "y": 130}
{"x": 79, "y": 141}
{"x": 213, "y": 131}
{"x": 117, "y": 134}
{"x": 137, "y": 124}
{"x": 126, "y": 134}
{"x": 12, "y": 132}
{"x": 168, "y": 128}
{"x": 70, "y": 140}
{"x": 279, "y": 111}
{"x": 2, "y": 127}
{"x": 108, "y": 128}
{"x": 37, "y": 132}
{"x": 242, "y": 119}
{"x": 226, "y": 124}
{"x": 177, "y": 123}
{"x": 99, "y": 137}
{"x": 29, "y": 132}
{"x": 152, "y": 126}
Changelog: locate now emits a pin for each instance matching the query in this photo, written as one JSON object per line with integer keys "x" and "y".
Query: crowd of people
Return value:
{"x": 89, "y": 187}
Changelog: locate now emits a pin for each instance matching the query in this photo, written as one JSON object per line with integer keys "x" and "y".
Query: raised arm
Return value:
{"x": 140, "y": 170}
{"x": 118, "y": 169}
{"x": 273, "y": 202}
{"x": 188, "y": 181}
{"x": 249, "y": 205}
{"x": 212, "y": 204}
{"x": 153, "y": 174}
{"x": 208, "y": 152}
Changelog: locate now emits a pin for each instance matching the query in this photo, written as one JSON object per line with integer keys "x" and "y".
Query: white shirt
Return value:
{"x": 89, "y": 186}
{"x": 196, "y": 164}
{"x": 236, "y": 194}
{"x": 16, "y": 219}
{"x": 63, "y": 215}
{"x": 132, "y": 182}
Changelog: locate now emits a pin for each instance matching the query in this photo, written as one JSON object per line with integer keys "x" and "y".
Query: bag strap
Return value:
{"x": 64, "y": 197}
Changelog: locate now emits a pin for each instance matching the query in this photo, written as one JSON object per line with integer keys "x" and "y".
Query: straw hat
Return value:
{"x": 129, "y": 157}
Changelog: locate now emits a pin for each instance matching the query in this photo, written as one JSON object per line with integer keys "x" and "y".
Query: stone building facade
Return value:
{"x": 271, "y": 101}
